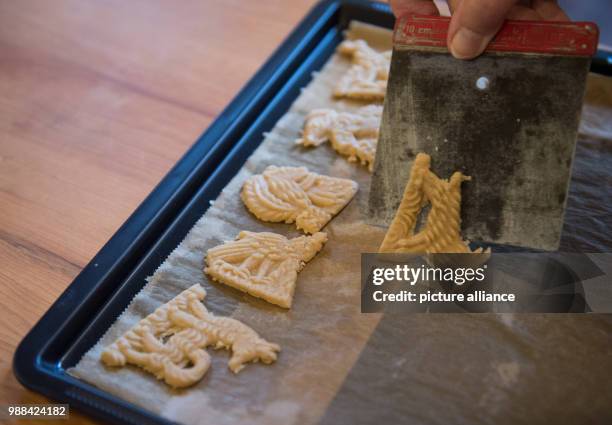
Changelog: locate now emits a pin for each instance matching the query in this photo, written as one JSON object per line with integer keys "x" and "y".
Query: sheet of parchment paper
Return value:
{"x": 323, "y": 333}
{"x": 339, "y": 366}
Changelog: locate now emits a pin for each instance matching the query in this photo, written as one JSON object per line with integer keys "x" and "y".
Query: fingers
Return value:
{"x": 549, "y": 10}
{"x": 473, "y": 25}
{"x": 453, "y": 4}
{"x": 475, "y": 22}
{"x": 524, "y": 13}
{"x": 408, "y": 7}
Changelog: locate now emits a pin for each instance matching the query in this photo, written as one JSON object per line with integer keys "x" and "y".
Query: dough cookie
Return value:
{"x": 264, "y": 264}
{"x": 352, "y": 134}
{"x": 442, "y": 231}
{"x": 293, "y": 194}
{"x": 367, "y": 78}
{"x": 170, "y": 343}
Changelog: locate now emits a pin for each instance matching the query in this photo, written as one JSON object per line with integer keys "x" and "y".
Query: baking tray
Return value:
{"x": 104, "y": 288}
{"x": 117, "y": 273}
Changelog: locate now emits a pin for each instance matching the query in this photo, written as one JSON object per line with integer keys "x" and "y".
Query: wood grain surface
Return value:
{"x": 98, "y": 99}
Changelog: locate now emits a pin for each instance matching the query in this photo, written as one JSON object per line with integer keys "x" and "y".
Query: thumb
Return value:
{"x": 409, "y": 7}
{"x": 474, "y": 23}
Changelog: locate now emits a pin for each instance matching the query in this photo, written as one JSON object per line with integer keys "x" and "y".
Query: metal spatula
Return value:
{"x": 508, "y": 119}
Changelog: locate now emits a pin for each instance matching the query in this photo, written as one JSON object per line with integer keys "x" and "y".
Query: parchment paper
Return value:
{"x": 340, "y": 366}
{"x": 322, "y": 334}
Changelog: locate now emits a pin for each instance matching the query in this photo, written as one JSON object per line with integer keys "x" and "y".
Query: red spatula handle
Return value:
{"x": 543, "y": 37}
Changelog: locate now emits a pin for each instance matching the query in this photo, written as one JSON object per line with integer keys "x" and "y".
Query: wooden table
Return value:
{"x": 98, "y": 99}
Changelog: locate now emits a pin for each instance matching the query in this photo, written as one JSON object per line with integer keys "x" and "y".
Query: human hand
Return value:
{"x": 475, "y": 22}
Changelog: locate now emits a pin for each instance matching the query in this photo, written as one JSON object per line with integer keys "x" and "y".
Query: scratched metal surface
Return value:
{"x": 515, "y": 138}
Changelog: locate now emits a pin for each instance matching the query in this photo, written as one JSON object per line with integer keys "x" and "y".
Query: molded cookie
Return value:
{"x": 170, "y": 342}
{"x": 352, "y": 134}
{"x": 294, "y": 194}
{"x": 264, "y": 264}
{"x": 367, "y": 78}
{"x": 442, "y": 231}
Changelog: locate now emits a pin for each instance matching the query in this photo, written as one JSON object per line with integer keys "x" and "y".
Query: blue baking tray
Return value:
{"x": 104, "y": 288}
